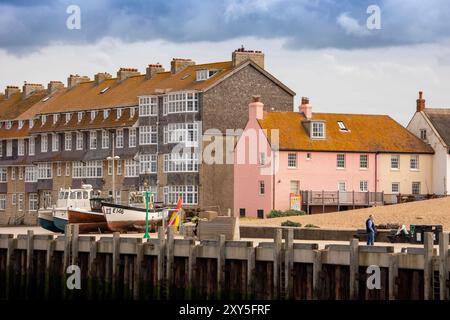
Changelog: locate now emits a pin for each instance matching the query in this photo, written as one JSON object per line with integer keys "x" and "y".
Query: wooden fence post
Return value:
{"x": 75, "y": 243}
{"x": 354, "y": 269}
{"x": 317, "y": 271}
{"x": 29, "y": 262}
{"x": 220, "y": 266}
{"x": 160, "y": 262}
{"x": 443, "y": 265}
{"x": 251, "y": 262}
{"x": 137, "y": 270}
{"x": 115, "y": 264}
{"x": 393, "y": 276}
{"x": 12, "y": 243}
{"x": 66, "y": 258}
{"x": 428, "y": 266}
{"x": 289, "y": 263}
{"x": 169, "y": 262}
{"x": 276, "y": 263}
{"x": 192, "y": 260}
{"x": 92, "y": 268}
{"x": 48, "y": 267}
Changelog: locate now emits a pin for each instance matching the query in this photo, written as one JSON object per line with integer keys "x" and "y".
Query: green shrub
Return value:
{"x": 309, "y": 225}
{"x": 289, "y": 223}
{"x": 287, "y": 213}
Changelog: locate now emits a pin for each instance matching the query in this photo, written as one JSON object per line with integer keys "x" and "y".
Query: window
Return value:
{"x": 132, "y": 137}
{"x": 342, "y": 186}
{"x": 415, "y": 188}
{"x": 20, "y": 169}
{"x": 148, "y": 106}
{"x": 2, "y": 202}
{"x": 119, "y": 113}
{"x": 262, "y": 159}
{"x": 9, "y": 148}
{"x": 44, "y": 143}
{"x": 80, "y": 116}
{"x": 20, "y": 147}
{"x": 119, "y": 167}
{"x": 55, "y": 118}
{"x": 119, "y": 138}
{"x": 342, "y": 126}
{"x": 105, "y": 113}
{"x": 292, "y": 160}
{"x": 295, "y": 186}
{"x": 185, "y": 162}
{"x": 55, "y": 142}
{"x": 93, "y": 115}
{"x": 242, "y": 212}
{"x": 105, "y": 139}
{"x": 188, "y": 193}
{"x": 260, "y": 213}
{"x": 68, "y": 115}
{"x": 186, "y": 133}
{"x": 423, "y": 134}
{"x": 31, "y": 123}
{"x": 8, "y": 125}
{"x": 414, "y": 162}
{"x": 93, "y": 140}
{"x": 395, "y": 162}
{"x": 58, "y": 169}
{"x": 89, "y": 169}
{"x": 110, "y": 170}
{"x": 148, "y": 163}
{"x": 33, "y": 202}
{"x": 340, "y": 161}
{"x": 318, "y": 130}
{"x": 21, "y": 122}
{"x": 13, "y": 173}
{"x": 43, "y": 119}
{"x": 395, "y": 187}
{"x": 131, "y": 168}
{"x": 3, "y": 175}
{"x": 20, "y": 197}
{"x": 79, "y": 141}
{"x": 31, "y": 146}
{"x": 180, "y": 102}
{"x": 363, "y": 186}
{"x": 68, "y": 141}
{"x": 202, "y": 75}
{"x": 363, "y": 161}
{"x": 132, "y": 112}
{"x": 44, "y": 170}
{"x": 261, "y": 187}
{"x": 308, "y": 156}
{"x": 148, "y": 135}
{"x": 14, "y": 199}
{"x": 67, "y": 169}
{"x": 1, "y": 148}
{"x": 31, "y": 174}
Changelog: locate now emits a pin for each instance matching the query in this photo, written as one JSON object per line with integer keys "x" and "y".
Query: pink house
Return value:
{"x": 316, "y": 162}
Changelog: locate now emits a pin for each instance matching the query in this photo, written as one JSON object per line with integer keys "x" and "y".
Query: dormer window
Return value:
{"x": 317, "y": 130}
{"x": 8, "y": 125}
{"x": 93, "y": 115}
{"x": 68, "y": 117}
{"x": 205, "y": 74}
{"x": 80, "y": 116}
{"x": 31, "y": 123}
{"x": 105, "y": 113}
{"x": 342, "y": 126}
{"x": 119, "y": 113}
{"x": 55, "y": 118}
{"x": 44, "y": 119}
{"x": 21, "y": 122}
{"x": 132, "y": 112}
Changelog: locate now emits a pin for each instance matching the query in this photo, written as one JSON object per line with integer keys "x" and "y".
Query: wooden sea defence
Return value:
{"x": 120, "y": 267}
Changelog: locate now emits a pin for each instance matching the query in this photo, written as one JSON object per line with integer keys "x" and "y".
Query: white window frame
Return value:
{"x": 363, "y": 186}
{"x": 186, "y": 133}
{"x": 363, "y": 163}
{"x": 79, "y": 140}
{"x": 3, "y": 175}
{"x": 317, "y": 130}
{"x": 292, "y": 160}
{"x": 189, "y": 194}
{"x": 105, "y": 139}
{"x": 2, "y": 202}
{"x": 132, "y": 137}
{"x": 32, "y": 146}
{"x": 45, "y": 170}
{"x": 88, "y": 169}
{"x": 68, "y": 141}
{"x": 395, "y": 158}
{"x": 58, "y": 169}
{"x": 93, "y": 139}
{"x": 119, "y": 112}
{"x": 185, "y": 162}
{"x": 31, "y": 174}
{"x": 148, "y": 106}
{"x": 20, "y": 147}
{"x": 9, "y": 148}
{"x": 55, "y": 142}
{"x": 44, "y": 142}
{"x": 414, "y": 163}
{"x": 294, "y": 186}
{"x": 20, "y": 201}
{"x": 148, "y": 135}
{"x": 416, "y": 185}
{"x": 68, "y": 169}
{"x": 119, "y": 138}
{"x": 148, "y": 163}
{"x": 397, "y": 186}
{"x": 13, "y": 173}
{"x": 261, "y": 187}
{"x": 181, "y": 102}
{"x": 340, "y": 163}
{"x": 131, "y": 168}
{"x": 33, "y": 201}
{"x": 80, "y": 116}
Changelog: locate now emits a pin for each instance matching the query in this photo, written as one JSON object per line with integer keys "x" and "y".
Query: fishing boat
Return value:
{"x": 45, "y": 219}
{"x": 72, "y": 199}
{"x": 92, "y": 220}
{"x": 123, "y": 218}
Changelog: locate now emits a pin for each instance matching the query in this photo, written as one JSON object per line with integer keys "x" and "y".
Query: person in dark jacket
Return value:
{"x": 370, "y": 229}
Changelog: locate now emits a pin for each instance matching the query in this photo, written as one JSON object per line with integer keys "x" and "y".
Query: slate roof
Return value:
{"x": 440, "y": 119}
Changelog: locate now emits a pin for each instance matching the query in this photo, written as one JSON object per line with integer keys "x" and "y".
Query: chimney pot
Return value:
{"x": 101, "y": 76}
{"x": 10, "y": 91}
{"x": 306, "y": 108}
{"x": 54, "y": 86}
{"x": 240, "y": 55}
{"x": 256, "y": 108}
{"x": 29, "y": 88}
{"x": 152, "y": 70}
{"x": 178, "y": 64}
{"x": 420, "y": 103}
{"x": 125, "y": 73}
{"x": 74, "y": 79}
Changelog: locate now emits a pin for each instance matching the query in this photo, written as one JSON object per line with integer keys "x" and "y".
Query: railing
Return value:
{"x": 342, "y": 198}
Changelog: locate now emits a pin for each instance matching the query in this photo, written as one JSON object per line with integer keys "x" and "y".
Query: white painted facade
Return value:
{"x": 441, "y": 158}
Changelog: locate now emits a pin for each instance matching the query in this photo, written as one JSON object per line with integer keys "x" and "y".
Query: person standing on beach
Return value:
{"x": 370, "y": 229}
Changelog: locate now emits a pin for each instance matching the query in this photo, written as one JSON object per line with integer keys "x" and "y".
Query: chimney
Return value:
{"x": 29, "y": 88}
{"x": 101, "y": 76}
{"x": 420, "y": 103}
{"x": 178, "y": 64}
{"x": 240, "y": 55}
{"x": 125, "y": 73}
{"x": 152, "y": 70}
{"x": 256, "y": 108}
{"x": 10, "y": 90}
{"x": 306, "y": 108}
{"x": 74, "y": 79}
{"x": 53, "y": 86}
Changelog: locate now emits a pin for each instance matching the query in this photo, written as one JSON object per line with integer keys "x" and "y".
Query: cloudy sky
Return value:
{"x": 322, "y": 49}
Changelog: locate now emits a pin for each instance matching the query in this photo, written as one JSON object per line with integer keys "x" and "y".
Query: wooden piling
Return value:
{"x": 393, "y": 276}
{"x": 289, "y": 263}
{"x": 137, "y": 270}
{"x": 29, "y": 262}
{"x": 443, "y": 266}
{"x": 354, "y": 269}
{"x": 160, "y": 263}
{"x": 317, "y": 271}
{"x": 92, "y": 268}
{"x": 428, "y": 266}
{"x": 74, "y": 243}
{"x": 66, "y": 259}
{"x": 48, "y": 267}
{"x": 276, "y": 264}
{"x": 169, "y": 260}
{"x": 251, "y": 263}
{"x": 115, "y": 264}
{"x": 220, "y": 266}
{"x": 12, "y": 243}
{"x": 192, "y": 260}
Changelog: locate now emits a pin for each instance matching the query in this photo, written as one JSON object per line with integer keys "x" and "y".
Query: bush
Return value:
{"x": 289, "y": 223}
{"x": 287, "y": 213}
{"x": 309, "y": 225}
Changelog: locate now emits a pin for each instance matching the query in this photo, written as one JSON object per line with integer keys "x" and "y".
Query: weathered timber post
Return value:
{"x": 12, "y": 243}
{"x": 251, "y": 263}
{"x": 48, "y": 266}
{"x": 29, "y": 262}
{"x": 192, "y": 260}
{"x": 220, "y": 266}
{"x": 393, "y": 276}
{"x": 317, "y": 272}
{"x": 92, "y": 268}
{"x": 289, "y": 264}
{"x": 75, "y": 244}
{"x": 354, "y": 269}
{"x": 66, "y": 259}
{"x": 443, "y": 265}
{"x": 137, "y": 270}
{"x": 160, "y": 262}
{"x": 428, "y": 266}
{"x": 170, "y": 260}
{"x": 276, "y": 264}
{"x": 115, "y": 264}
